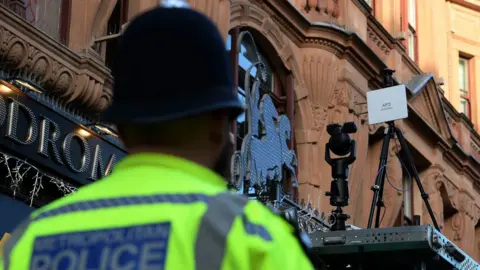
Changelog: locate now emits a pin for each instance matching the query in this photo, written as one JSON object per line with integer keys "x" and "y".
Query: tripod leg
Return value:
{"x": 380, "y": 179}
{"x": 414, "y": 172}
{"x": 380, "y": 202}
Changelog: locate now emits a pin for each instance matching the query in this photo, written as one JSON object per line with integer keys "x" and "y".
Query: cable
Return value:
{"x": 332, "y": 218}
{"x": 406, "y": 169}
{"x": 384, "y": 167}
{"x": 383, "y": 215}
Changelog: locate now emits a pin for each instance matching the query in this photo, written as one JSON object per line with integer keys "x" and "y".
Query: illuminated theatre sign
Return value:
{"x": 30, "y": 130}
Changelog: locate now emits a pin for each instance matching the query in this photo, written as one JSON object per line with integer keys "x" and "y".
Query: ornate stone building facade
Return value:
{"x": 324, "y": 56}
{"x": 449, "y": 48}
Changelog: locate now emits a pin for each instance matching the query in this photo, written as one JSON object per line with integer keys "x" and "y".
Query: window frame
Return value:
{"x": 371, "y": 4}
{"x": 275, "y": 89}
{"x": 279, "y": 91}
{"x": 407, "y": 27}
{"x": 16, "y": 7}
{"x": 122, "y": 19}
{"x": 411, "y": 51}
{"x": 465, "y": 94}
{"x": 278, "y": 101}
{"x": 65, "y": 18}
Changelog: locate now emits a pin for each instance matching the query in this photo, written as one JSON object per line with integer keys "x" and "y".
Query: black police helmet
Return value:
{"x": 171, "y": 63}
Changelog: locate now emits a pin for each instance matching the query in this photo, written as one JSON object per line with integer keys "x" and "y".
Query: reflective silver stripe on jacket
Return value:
{"x": 215, "y": 225}
{"x": 215, "y": 228}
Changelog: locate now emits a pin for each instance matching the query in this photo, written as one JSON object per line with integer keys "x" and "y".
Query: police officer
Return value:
{"x": 166, "y": 205}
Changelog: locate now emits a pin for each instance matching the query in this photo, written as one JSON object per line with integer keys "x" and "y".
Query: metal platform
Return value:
{"x": 415, "y": 247}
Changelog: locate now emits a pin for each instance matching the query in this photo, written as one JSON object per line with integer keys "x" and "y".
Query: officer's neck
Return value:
{"x": 199, "y": 156}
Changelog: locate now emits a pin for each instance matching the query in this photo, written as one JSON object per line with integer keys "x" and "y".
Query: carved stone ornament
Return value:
{"x": 435, "y": 179}
{"x": 378, "y": 41}
{"x": 265, "y": 152}
{"x": 27, "y": 53}
{"x": 458, "y": 226}
{"x": 466, "y": 204}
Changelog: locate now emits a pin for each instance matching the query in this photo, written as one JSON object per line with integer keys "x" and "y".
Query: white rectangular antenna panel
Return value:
{"x": 387, "y": 104}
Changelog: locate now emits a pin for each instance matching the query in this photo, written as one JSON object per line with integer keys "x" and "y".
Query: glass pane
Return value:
{"x": 411, "y": 44}
{"x": 229, "y": 42}
{"x": 241, "y": 97}
{"x": 463, "y": 74}
{"x": 248, "y": 56}
{"x": 464, "y": 106}
{"x": 241, "y": 124}
{"x": 412, "y": 13}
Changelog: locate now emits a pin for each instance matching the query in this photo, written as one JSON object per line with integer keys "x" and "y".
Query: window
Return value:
{"x": 463, "y": 85}
{"x": 412, "y": 13}
{"x": 248, "y": 54}
{"x": 411, "y": 43}
{"x": 17, "y": 7}
{"x": 53, "y": 17}
{"x": 412, "y": 29}
{"x": 118, "y": 18}
{"x": 65, "y": 13}
{"x": 409, "y": 26}
{"x": 245, "y": 51}
{"x": 371, "y": 3}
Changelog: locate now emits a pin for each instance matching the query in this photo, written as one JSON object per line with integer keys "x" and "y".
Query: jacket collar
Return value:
{"x": 169, "y": 162}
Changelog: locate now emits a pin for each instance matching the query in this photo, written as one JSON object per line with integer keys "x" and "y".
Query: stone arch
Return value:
{"x": 246, "y": 14}
{"x": 448, "y": 205}
{"x": 435, "y": 181}
{"x": 442, "y": 196}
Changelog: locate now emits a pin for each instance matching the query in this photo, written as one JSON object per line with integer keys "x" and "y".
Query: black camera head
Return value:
{"x": 334, "y": 129}
{"x": 349, "y": 128}
{"x": 388, "y": 77}
{"x": 340, "y": 142}
{"x": 346, "y": 128}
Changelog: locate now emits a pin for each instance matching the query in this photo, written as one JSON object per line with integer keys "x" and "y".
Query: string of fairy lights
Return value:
{"x": 18, "y": 170}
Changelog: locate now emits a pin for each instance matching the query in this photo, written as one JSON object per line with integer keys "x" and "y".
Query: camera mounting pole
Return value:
{"x": 340, "y": 144}
{"x": 392, "y": 130}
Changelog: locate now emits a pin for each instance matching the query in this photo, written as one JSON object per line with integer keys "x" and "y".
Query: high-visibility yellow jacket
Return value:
{"x": 154, "y": 212}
